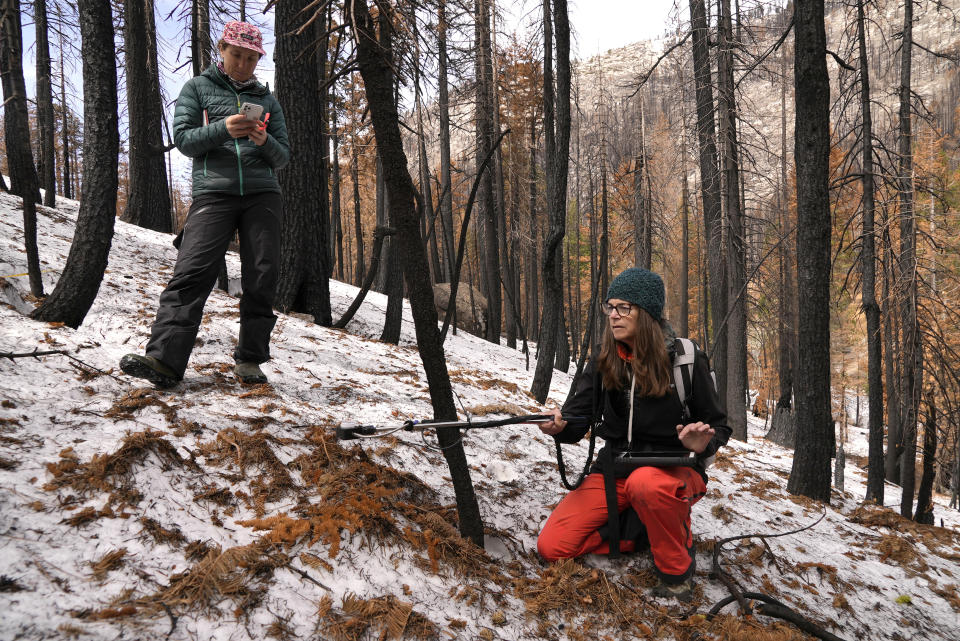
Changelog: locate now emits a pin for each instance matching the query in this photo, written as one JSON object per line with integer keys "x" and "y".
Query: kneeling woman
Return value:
{"x": 630, "y": 385}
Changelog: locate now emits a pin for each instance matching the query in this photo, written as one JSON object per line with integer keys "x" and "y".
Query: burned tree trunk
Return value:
{"x": 736, "y": 313}
{"x": 810, "y": 475}
{"x": 45, "y": 123}
{"x": 557, "y": 154}
{"x": 87, "y": 260}
{"x": 486, "y": 198}
{"x": 911, "y": 357}
{"x": 303, "y": 283}
{"x": 377, "y": 72}
{"x": 443, "y": 106}
{"x": 200, "y": 45}
{"x": 23, "y": 175}
{"x": 710, "y": 189}
{"x": 148, "y": 200}
{"x": 868, "y": 266}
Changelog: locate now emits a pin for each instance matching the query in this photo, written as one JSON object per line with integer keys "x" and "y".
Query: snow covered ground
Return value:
{"x": 218, "y": 511}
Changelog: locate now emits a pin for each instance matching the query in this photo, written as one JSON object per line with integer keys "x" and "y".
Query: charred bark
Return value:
{"x": 23, "y": 175}
{"x": 557, "y": 147}
{"x": 868, "y": 266}
{"x": 377, "y": 72}
{"x": 810, "y": 474}
{"x": 911, "y": 358}
{"x": 148, "y": 200}
{"x": 303, "y": 284}
{"x": 45, "y": 123}
{"x": 710, "y": 190}
{"x": 87, "y": 260}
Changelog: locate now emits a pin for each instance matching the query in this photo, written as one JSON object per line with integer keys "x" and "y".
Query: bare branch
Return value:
{"x": 952, "y": 57}
{"x": 646, "y": 76}
{"x": 840, "y": 61}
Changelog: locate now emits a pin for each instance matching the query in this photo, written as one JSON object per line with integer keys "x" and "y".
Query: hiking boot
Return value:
{"x": 149, "y": 368}
{"x": 679, "y": 591}
{"x": 250, "y": 373}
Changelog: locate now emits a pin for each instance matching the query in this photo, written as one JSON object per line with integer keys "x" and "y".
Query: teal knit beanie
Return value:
{"x": 641, "y": 287}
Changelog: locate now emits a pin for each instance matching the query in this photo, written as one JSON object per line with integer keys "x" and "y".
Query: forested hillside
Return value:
{"x": 460, "y": 193}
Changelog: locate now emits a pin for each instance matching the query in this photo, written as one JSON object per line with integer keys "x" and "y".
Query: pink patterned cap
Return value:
{"x": 243, "y": 34}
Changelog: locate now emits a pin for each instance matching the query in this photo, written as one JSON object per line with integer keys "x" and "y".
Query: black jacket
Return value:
{"x": 655, "y": 419}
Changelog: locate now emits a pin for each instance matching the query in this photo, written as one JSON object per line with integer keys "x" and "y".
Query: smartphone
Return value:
{"x": 251, "y": 110}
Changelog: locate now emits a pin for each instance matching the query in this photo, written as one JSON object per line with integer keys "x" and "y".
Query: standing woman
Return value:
{"x": 630, "y": 385}
{"x": 235, "y": 189}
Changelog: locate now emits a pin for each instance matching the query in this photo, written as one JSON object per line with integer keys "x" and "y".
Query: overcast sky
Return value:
{"x": 607, "y": 24}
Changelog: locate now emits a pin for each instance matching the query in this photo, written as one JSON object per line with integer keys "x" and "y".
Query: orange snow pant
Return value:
{"x": 661, "y": 497}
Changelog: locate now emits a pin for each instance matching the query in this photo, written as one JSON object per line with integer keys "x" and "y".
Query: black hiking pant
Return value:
{"x": 212, "y": 220}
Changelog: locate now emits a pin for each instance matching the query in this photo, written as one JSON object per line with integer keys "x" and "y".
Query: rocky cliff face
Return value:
{"x": 607, "y": 89}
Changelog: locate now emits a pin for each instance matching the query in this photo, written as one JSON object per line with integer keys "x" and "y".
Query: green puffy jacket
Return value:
{"x": 222, "y": 164}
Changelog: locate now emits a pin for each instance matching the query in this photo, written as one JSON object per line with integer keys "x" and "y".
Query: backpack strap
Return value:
{"x": 684, "y": 355}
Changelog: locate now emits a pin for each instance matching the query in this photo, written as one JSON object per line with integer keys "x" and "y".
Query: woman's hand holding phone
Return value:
{"x": 239, "y": 125}
{"x": 259, "y": 134}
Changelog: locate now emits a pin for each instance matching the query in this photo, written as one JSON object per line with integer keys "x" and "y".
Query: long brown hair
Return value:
{"x": 650, "y": 362}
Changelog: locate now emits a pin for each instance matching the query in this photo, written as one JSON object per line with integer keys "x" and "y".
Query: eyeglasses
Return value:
{"x": 623, "y": 309}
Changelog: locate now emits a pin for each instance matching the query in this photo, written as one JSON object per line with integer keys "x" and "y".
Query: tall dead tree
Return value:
{"x": 45, "y": 122}
{"x": 736, "y": 313}
{"x": 868, "y": 266}
{"x": 355, "y": 179}
{"x": 891, "y": 365}
{"x": 200, "y": 44}
{"x": 16, "y": 130}
{"x": 486, "y": 199}
{"x": 303, "y": 283}
{"x": 533, "y": 263}
{"x": 374, "y": 47}
{"x": 810, "y": 474}
{"x": 80, "y": 280}
{"x": 64, "y": 121}
{"x": 911, "y": 355}
{"x": 684, "y": 284}
{"x": 710, "y": 189}
{"x": 642, "y": 206}
{"x": 783, "y": 424}
{"x": 148, "y": 197}
{"x": 557, "y": 154}
{"x": 443, "y": 106}
{"x": 336, "y": 214}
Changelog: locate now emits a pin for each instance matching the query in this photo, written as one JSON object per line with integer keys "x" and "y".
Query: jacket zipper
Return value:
{"x": 206, "y": 121}
{"x": 236, "y": 144}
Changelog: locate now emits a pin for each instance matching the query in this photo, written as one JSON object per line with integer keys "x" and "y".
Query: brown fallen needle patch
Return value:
{"x": 246, "y": 451}
{"x": 126, "y": 407}
{"x": 113, "y": 472}
{"x": 222, "y": 574}
{"x": 107, "y": 563}
{"x": 393, "y": 619}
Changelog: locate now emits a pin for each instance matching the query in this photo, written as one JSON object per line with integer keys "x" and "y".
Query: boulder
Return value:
{"x": 471, "y": 312}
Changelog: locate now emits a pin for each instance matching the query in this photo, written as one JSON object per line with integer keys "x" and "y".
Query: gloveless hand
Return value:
{"x": 695, "y": 436}
{"x": 239, "y": 126}
{"x": 556, "y": 425}
{"x": 258, "y": 135}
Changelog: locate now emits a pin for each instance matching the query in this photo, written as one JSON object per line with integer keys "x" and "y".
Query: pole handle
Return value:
{"x": 352, "y": 431}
